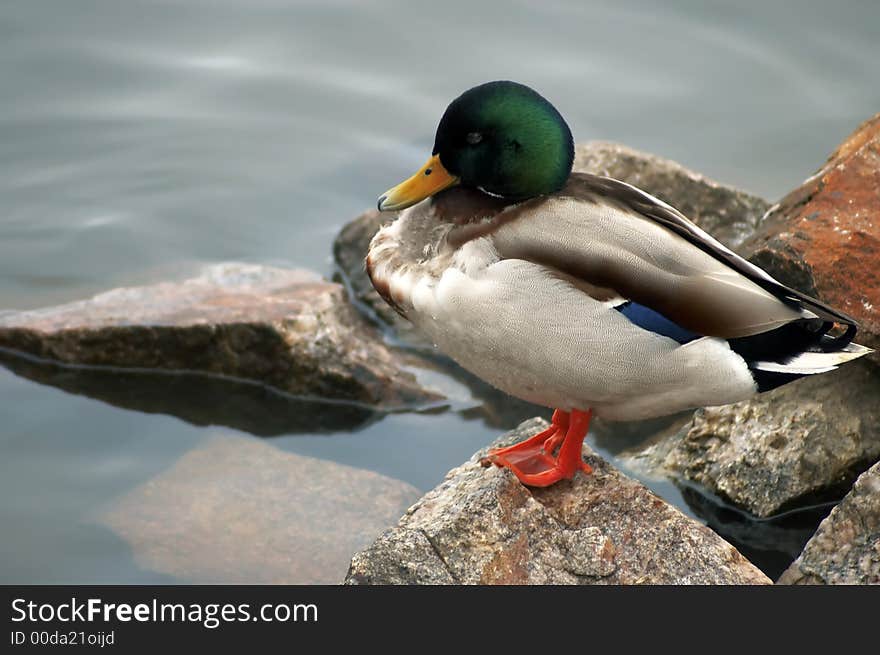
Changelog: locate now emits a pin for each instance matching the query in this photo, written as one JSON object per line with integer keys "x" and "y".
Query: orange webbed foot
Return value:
{"x": 532, "y": 460}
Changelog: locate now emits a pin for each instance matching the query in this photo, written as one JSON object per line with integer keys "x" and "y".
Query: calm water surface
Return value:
{"x": 143, "y": 140}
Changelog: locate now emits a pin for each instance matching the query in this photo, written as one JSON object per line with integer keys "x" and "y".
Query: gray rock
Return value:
{"x": 237, "y": 510}
{"x": 801, "y": 443}
{"x": 846, "y": 547}
{"x": 481, "y": 526}
{"x": 285, "y": 328}
{"x": 414, "y": 561}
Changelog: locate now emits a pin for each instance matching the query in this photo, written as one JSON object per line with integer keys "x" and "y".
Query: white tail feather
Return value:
{"x": 809, "y": 363}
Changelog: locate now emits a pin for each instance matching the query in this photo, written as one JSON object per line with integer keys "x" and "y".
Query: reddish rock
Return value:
{"x": 824, "y": 237}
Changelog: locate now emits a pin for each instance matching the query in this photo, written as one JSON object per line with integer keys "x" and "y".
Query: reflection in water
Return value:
{"x": 771, "y": 544}
{"x": 196, "y": 398}
{"x": 203, "y": 399}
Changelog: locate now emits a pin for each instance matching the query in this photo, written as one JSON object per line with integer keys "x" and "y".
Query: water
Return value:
{"x": 142, "y": 140}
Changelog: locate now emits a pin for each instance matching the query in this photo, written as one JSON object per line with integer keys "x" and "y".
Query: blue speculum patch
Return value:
{"x": 648, "y": 319}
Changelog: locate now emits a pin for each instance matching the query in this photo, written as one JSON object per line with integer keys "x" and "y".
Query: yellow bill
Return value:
{"x": 431, "y": 178}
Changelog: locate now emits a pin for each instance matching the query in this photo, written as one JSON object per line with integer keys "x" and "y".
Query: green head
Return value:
{"x": 505, "y": 139}
{"x": 502, "y": 138}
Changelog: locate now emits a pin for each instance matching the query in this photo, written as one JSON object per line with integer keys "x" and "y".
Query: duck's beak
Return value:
{"x": 431, "y": 178}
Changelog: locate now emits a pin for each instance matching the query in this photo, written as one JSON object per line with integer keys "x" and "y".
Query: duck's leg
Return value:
{"x": 532, "y": 461}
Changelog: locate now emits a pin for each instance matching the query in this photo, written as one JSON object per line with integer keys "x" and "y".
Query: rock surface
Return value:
{"x": 728, "y": 214}
{"x": 846, "y": 547}
{"x": 285, "y": 328}
{"x": 237, "y": 510}
{"x": 823, "y": 238}
{"x": 481, "y": 526}
{"x": 801, "y": 443}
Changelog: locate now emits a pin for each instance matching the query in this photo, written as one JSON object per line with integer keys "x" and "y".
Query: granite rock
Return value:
{"x": 801, "y": 443}
{"x": 481, "y": 526}
{"x": 846, "y": 547}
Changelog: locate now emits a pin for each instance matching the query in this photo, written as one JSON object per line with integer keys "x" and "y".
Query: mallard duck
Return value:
{"x": 581, "y": 292}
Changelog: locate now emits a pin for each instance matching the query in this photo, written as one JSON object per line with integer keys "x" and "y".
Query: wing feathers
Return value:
{"x": 612, "y": 235}
{"x": 634, "y": 199}
{"x": 642, "y": 261}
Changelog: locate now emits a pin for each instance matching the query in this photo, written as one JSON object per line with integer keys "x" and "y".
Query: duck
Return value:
{"x": 580, "y": 292}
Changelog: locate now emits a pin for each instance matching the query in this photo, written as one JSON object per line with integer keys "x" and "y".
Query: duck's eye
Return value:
{"x": 473, "y": 138}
